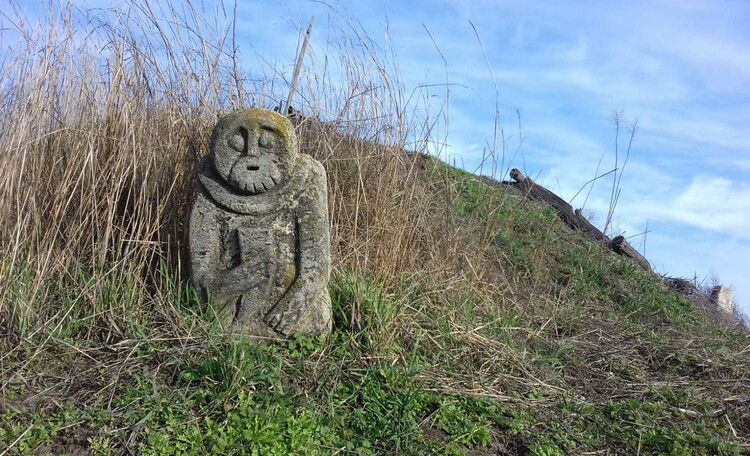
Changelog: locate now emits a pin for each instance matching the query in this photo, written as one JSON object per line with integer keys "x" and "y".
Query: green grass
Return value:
{"x": 396, "y": 374}
{"x": 366, "y": 390}
{"x": 467, "y": 320}
{"x": 233, "y": 397}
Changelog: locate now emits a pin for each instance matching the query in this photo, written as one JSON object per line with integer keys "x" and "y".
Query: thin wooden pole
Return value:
{"x": 298, "y": 66}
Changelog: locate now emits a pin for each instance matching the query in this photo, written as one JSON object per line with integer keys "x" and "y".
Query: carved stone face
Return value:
{"x": 253, "y": 150}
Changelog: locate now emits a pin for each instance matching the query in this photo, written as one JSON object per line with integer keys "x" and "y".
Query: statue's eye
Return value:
{"x": 268, "y": 140}
{"x": 238, "y": 140}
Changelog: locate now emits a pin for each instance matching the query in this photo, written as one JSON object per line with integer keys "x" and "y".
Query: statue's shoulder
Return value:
{"x": 313, "y": 169}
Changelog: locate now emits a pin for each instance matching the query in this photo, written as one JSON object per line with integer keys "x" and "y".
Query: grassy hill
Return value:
{"x": 467, "y": 319}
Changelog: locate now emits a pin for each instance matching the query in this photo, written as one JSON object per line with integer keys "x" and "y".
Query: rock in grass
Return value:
{"x": 258, "y": 233}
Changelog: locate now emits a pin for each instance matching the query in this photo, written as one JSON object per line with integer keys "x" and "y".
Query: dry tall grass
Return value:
{"x": 105, "y": 114}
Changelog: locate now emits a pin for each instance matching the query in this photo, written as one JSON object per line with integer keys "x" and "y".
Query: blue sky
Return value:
{"x": 681, "y": 68}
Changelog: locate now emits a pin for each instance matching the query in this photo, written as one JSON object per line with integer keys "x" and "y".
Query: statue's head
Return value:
{"x": 253, "y": 150}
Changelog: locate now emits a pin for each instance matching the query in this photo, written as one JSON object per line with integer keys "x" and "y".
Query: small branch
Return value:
{"x": 589, "y": 182}
{"x": 235, "y": 73}
{"x": 497, "y": 96}
{"x": 688, "y": 412}
{"x": 298, "y": 65}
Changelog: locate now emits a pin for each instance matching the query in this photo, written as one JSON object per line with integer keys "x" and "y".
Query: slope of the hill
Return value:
{"x": 530, "y": 340}
{"x": 467, "y": 319}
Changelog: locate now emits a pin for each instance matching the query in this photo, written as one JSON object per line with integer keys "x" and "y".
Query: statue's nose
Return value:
{"x": 253, "y": 150}
{"x": 253, "y": 147}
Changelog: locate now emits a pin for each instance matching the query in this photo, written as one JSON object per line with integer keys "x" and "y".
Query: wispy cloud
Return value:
{"x": 709, "y": 203}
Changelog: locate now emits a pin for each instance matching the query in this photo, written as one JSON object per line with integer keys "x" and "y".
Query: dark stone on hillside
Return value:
{"x": 620, "y": 246}
{"x": 702, "y": 301}
{"x": 574, "y": 219}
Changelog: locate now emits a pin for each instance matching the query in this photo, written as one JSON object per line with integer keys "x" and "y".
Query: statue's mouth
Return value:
{"x": 254, "y": 176}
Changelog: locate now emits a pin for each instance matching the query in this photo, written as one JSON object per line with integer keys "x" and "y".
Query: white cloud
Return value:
{"x": 710, "y": 203}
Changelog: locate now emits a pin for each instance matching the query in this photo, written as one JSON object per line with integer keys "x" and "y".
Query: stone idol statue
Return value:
{"x": 259, "y": 241}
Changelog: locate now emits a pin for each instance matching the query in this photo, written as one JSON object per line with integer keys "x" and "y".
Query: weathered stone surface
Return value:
{"x": 723, "y": 299}
{"x": 574, "y": 218}
{"x": 259, "y": 240}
